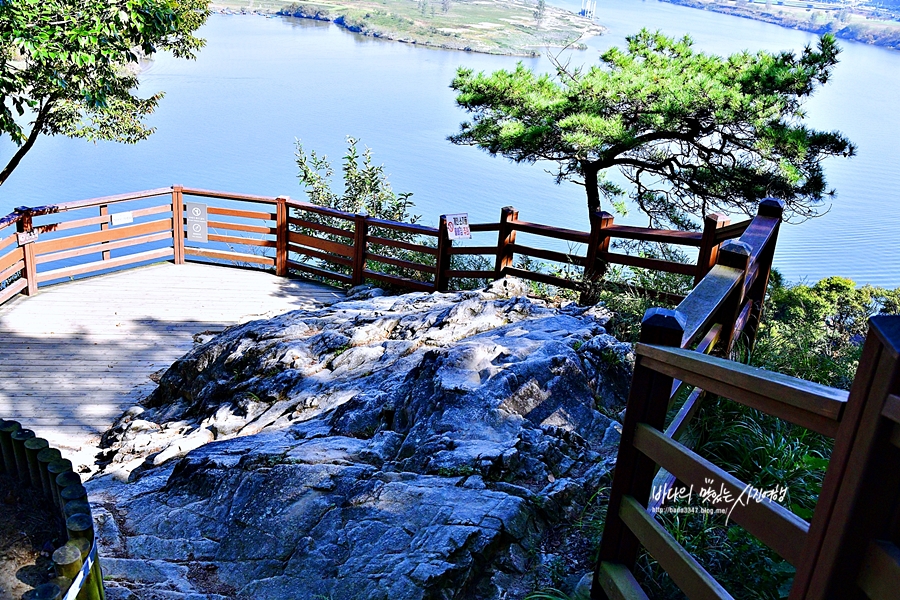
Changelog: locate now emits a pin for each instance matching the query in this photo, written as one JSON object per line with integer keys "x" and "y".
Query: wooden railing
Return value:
{"x": 850, "y": 549}
{"x": 42, "y": 245}
{"x": 30, "y": 461}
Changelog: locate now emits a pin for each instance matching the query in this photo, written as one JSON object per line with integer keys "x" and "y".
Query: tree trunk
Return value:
{"x": 24, "y": 148}
{"x": 591, "y": 186}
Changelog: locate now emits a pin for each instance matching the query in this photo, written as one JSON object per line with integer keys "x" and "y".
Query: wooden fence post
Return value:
{"x": 648, "y": 402}
{"x": 735, "y": 254}
{"x": 178, "y": 223}
{"x": 7, "y": 428}
{"x": 505, "y": 238}
{"x": 104, "y": 212}
{"x": 24, "y": 225}
{"x": 709, "y": 249}
{"x": 854, "y": 528}
{"x": 281, "y": 237}
{"x": 442, "y": 260}
{"x": 595, "y": 265}
{"x": 361, "y": 232}
{"x": 769, "y": 207}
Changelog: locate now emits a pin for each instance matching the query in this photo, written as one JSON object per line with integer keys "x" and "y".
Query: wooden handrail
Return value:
{"x": 230, "y": 196}
{"x": 284, "y": 235}
{"x": 808, "y": 404}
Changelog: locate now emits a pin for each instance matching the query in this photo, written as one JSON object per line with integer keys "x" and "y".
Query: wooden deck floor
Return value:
{"x": 78, "y": 354}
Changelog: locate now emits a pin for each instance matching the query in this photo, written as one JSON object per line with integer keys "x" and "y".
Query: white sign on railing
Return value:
{"x": 26, "y": 237}
{"x": 122, "y": 218}
{"x": 458, "y": 226}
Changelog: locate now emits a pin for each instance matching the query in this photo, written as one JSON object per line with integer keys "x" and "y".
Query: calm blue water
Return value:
{"x": 229, "y": 121}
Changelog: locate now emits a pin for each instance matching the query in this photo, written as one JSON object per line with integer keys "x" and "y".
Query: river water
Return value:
{"x": 230, "y": 119}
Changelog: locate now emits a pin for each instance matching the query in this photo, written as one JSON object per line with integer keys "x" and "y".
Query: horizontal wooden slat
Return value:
{"x": 403, "y": 264}
{"x": 731, "y": 231}
{"x": 542, "y": 278}
{"x": 11, "y": 270}
{"x": 810, "y": 420}
{"x": 104, "y": 247}
{"x": 116, "y": 199}
{"x": 406, "y": 227}
{"x": 665, "y": 236}
{"x": 700, "y": 308}
{"x": 229, "y": 196}
{"x": 319, "y": 227}
{"x": 735, "y": 380}
{"x": 231, "y": 239}
{"x": 561, "y": 257}
{"x": 12, "y": 289}
{"x": 340, "y": 260}
{"x": 321, "y": 210}
{"x": 619, "y": 583}
{"x": 9, "y": 241}
{"x": 107, "y": 235}
{"x": 473, "y": 250}
{"x": 104, "y": 264}
{"x": 237, "y": 212}
{"x": 891, "y": 408}
{"x": 470, "y": 274}
{"x": 314, "y": 242}
{"x": 774, "y": 525}
{"x": 479, "y": 227}
{"x": 100, "y": 219}
{"x": 642, "y": 262}
{"x": 684, "y": 570}
{"x": 381, "y": 241}
{"x": 402, "y": 282}
{"x": 10, "y": 258}
{"x": 63, "y": 225}
{"x": 212, "y": 225}
{"x": 557, "y": 233}
{"x": 319, "y": 272}
{"x": 879, "y": 576}
{"x": 237, "y": 257}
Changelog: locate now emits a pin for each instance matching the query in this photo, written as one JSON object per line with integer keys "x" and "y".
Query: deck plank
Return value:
{"x": 78, "y": 354}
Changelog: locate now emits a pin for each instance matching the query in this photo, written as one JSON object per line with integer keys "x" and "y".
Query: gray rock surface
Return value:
{"x": 398, "y": 447}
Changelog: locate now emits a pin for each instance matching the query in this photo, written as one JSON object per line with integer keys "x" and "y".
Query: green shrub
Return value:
{"x": 366, "y": 189}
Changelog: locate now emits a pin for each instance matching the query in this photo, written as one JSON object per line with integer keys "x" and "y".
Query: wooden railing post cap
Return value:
{"x": 715, "y": 218}
{"x": 177, "y": 187}
{"x": 662, "y": 322}
{"x": 734, "y": 253}
{"x": 771, "y": 207}
{"x": 284, "y": 197}
{"x": 887, "y": 327}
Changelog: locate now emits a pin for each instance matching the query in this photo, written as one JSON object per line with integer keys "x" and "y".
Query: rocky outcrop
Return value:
{"x": 407, "y": 447}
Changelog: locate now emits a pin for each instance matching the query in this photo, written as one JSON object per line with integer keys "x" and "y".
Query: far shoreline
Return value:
{"x": 468, "y": 39}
